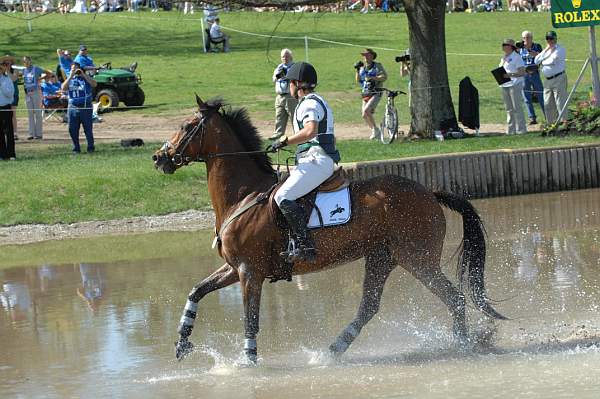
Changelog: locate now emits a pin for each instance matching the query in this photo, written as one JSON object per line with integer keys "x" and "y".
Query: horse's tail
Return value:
{"x": 472, "y": 253}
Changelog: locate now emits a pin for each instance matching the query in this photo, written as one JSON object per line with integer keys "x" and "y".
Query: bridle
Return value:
{"x": 178, "y": 158}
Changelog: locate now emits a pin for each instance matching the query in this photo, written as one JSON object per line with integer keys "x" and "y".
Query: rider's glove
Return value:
{"x": 277, "y": 145}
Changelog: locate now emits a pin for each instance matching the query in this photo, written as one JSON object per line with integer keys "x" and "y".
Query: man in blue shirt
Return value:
{"x": 50, "y": 90}
{"x": 84, "y": 60}
{"x": 533, "y": 82}
{"x": 65, "y": 61}
{"x": 79, "y": 87}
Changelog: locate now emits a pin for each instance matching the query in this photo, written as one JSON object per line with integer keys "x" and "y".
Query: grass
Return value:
{"x": 168, "y": 47}
{"x": 49, "y": 185}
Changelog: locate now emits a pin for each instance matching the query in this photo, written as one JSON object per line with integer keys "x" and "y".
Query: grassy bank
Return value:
{"x": 168, "y": 47}
{"x": 50, "y": 185}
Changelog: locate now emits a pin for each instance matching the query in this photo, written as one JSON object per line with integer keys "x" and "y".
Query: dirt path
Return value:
{"x": 119, "y": 125}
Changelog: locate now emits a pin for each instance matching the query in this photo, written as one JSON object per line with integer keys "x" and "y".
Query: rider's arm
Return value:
{"x": 308, "y": 132}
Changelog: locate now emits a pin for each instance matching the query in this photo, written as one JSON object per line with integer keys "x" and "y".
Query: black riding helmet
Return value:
{"x": 303, "y": 72}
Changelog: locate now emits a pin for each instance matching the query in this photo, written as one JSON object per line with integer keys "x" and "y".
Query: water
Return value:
{"x": 98, "y": 318}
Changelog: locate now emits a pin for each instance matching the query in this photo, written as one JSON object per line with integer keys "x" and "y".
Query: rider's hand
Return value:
{"x": 277, "y": 145}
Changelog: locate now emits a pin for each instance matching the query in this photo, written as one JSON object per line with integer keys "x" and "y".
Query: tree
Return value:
{"x": 431, "y": 100}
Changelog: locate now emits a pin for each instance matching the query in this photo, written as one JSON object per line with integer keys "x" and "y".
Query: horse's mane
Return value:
{"x": 239, "y": 121}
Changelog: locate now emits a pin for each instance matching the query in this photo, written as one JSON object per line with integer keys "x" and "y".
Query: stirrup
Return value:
{"x": 296, "y": 252}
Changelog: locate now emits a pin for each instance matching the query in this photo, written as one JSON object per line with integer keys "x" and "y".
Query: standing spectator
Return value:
{"x": 84, "y": 60}
{"x": 370, "y": 75}
{"x": 65, "y": 61}
{"x": 216, "y": 35}
{"x": 33, "y": 97}
{"x": 79, "y": 86}
{"x": 285, "y": 104}
{"x": 552, "y": 59}
{"x": 533, "y": 83}
{"x": 188, "y": 7}
{"x": 512, "y": 91}
{"x": 7, "y": 138}
{"x": 13, "y": 74}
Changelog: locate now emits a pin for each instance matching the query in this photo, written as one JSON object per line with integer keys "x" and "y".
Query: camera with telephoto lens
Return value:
{"x": 358, "y": 65}
{"x": 281, "y": 73}
{"x": 519, "y": 44}
{"x": 78, "y": 72}
{"x": 403, "y": 58}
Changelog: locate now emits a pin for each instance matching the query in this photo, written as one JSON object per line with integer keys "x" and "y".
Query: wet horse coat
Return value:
{"x": 395, "y": 221}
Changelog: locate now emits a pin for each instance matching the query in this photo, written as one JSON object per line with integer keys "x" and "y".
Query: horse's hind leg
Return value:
{"x": 427, "y": 270}
{"x": 378, "y": 266}
{"x": 223, "y": 277}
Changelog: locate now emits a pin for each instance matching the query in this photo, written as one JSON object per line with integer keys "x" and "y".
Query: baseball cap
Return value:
{"x": 369, "y": 51}
{"x": 551, "y": 35}
{"x": 509, "y": 42}
{"x": 82, "y": 47}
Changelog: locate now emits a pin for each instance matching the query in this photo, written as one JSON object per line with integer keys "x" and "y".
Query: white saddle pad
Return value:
{"x": 334, "y": 207}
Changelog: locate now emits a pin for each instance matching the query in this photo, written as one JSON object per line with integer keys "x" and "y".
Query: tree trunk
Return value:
{"x": 431, "y": 100}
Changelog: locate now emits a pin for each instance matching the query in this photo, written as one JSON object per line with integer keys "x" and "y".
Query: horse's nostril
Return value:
{"x": 155, "y": 157}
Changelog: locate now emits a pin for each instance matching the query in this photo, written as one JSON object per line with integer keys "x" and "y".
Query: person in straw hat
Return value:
{"x": 512, "y": 90}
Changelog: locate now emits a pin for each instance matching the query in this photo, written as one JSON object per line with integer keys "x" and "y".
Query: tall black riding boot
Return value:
{"x": 296, "y": 218}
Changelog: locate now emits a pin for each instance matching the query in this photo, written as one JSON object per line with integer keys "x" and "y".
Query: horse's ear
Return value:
{"x": 201, "y": 104}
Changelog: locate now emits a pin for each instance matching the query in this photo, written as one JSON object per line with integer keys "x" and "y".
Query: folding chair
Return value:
{"x": 53, "y": 110}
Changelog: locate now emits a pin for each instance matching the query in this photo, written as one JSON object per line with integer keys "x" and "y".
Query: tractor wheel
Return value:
{"x": 137, "y": 99}
{"x": 108, "y": 99}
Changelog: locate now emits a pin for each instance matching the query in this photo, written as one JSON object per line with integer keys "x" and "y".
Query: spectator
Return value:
{"x": 532, "y": 83}
{"x": 79, "y": 86}
{"x": 188, "y": 7}
{"x": 33, "y": 97}
{"x": 552, "y": 59}
{"x": 154, "y": 5}
{"x": 63, "y": 7}
{"x": 79, "y": 7}
{"x": 216, "y": 35}
{"x": 51, "y": 91}
{"x": 285, "y": 104}
{"x": 512, "y": 91}
{"x": 370, "y": 75}
{"x": 7, "y": 138}
{"x": 13, "y": 74}
{"x": 405, "y": 70}
{"x": 65, "y": 61}
{"x": 83, "y": 59}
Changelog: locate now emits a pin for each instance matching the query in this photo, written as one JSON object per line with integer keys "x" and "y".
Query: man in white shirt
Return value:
{"x": 216, "y": 35}
{"x": 552, "y": 61}
{"x": 512, "y": 90}
{"x": 285, "y": 104}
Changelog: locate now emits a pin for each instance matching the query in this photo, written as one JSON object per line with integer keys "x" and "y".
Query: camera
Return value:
{"x": 78, "y": 72}
{"x": 519, "y": 44}
{"x": 403, "y": 58}
{"x": 280, "y": 73}
{"x": 358, "y": 65}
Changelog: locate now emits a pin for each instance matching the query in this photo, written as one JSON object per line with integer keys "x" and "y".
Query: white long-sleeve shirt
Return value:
{"x": 552, "y": 60}
{"x": 7, "y": 91}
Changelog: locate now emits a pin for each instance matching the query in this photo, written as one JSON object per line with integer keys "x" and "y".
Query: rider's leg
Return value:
{"x": 313, "y": 168}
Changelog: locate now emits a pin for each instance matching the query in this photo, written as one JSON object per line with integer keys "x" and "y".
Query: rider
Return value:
{"x": 316, "y": 154}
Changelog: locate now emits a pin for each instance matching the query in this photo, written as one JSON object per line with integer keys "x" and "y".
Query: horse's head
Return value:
{"x": 189, "y": 143}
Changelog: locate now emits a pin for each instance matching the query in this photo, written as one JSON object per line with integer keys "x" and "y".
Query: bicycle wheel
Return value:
{"x": 389, "y": 126}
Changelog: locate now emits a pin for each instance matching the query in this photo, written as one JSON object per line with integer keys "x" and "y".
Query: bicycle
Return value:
{"x": 389, "y": 124}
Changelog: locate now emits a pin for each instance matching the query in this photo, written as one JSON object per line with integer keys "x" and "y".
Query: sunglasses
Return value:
{"x": 550, "y": 38}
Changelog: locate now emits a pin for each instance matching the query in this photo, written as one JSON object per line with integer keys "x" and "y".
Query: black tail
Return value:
{"x": 472, "y": 253}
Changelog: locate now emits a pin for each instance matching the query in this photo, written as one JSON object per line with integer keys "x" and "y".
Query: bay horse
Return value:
{"x": 395, "y": 221}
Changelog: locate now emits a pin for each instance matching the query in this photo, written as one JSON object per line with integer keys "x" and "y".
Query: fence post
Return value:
{"x": 306, "y": 48}
{"x": 203, "y": 34}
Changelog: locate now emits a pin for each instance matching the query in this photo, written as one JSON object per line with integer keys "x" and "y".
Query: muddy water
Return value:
{"x": 98, "y": 319}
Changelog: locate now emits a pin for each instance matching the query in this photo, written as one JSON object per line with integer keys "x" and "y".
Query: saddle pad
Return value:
{"x": 334, "y": 207}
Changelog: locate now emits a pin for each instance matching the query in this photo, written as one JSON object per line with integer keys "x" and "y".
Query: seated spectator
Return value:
{"x": 488, "y": 6}
{"x": 93, "y": 6}
{"x": 63, "y": 7}
{"x": 79, "y": 7}
{"x": 47, "y": 6}
{"x": 544, "y": 5}
{"x": 217, "y": 36}
{"x": 52, "y": 96}
{"x": 83, "y": 59}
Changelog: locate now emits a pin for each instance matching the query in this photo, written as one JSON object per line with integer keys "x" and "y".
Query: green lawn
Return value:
{"x": 168, "y": 47}
{"x": 49, "y": 185}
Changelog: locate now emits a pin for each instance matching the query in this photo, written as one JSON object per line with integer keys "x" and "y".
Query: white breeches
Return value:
{"x": 313, "y": 168}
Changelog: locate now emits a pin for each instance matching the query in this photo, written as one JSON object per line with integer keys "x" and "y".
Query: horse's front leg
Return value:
{"x": 223, "y": 277}
{"x": 251, "y": 283}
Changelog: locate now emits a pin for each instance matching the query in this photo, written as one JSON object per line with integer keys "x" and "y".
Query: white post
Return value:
{"x": 203, "y": 34}
{"x": 594, "y": 61}
{"x": 306, "y": 48}
{"x": 562, "y": 111}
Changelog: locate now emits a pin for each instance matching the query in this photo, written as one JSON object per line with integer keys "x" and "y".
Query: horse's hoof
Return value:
{"x": 251, "y": 356}
{"x": 183, "y": 347}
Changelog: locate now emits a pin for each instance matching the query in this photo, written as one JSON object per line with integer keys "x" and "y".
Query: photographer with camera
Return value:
{"x": 79, "y": 87}
{"x": 370, "y": 75}
{"x": 7, "y": 134}
{"x": 404, "y": 61}
{"x": 528, "y": 50}
{"x": 285, "y": 104}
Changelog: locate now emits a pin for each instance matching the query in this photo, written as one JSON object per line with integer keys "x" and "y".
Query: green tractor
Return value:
{"x": 117, "y": 85}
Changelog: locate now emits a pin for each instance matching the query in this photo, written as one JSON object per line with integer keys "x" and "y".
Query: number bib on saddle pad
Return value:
{"x": 334, "y": 208}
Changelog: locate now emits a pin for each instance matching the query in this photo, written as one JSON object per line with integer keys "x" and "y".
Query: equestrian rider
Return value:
{"x": 316, "y": 154}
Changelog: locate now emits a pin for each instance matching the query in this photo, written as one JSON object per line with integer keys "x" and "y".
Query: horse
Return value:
{"x": 395, "y": 221}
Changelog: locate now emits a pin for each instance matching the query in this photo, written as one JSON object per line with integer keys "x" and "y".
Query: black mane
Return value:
{"x": 239, "y": 121}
